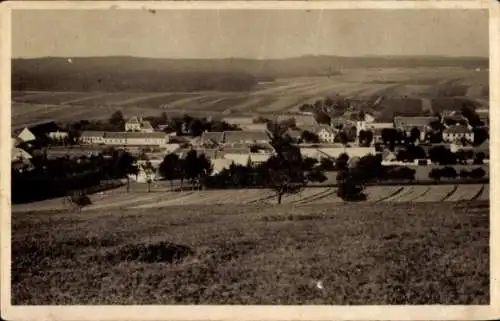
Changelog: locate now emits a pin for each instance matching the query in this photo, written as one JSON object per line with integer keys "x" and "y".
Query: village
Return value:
{"x": 406, "y": 140}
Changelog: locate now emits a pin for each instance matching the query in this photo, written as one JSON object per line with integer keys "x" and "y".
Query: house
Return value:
{"x": 239, "y": 158}
{"x": 374, "y": 127}
{"x": 135, "y": 139}
{"x": 246, "y": 137}
{"x": 58, "y": 135}
{"x": 422, "y": 123}
{"x": 457, "y": 132}
{"x": 92, "y": 137}
{"x": 219, "y": 164}
{"x": 327, "y": 134}
{"x": 135, "y": 124}
{"x": 19, "y": 154}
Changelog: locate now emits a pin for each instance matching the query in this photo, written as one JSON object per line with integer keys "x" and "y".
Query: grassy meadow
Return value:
{"x": 392, "y": 253}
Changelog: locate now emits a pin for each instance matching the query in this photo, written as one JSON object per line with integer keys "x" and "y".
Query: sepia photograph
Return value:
{"x": 253, "y": 156}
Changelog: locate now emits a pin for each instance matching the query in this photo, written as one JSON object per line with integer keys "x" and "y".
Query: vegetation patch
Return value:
{"x": 163, "y": 252}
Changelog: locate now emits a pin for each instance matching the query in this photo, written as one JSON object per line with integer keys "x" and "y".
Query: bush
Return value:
{"x": 464, "y": 174}
{"x": 477, "y": 173}
{"x": 448, "y": 172}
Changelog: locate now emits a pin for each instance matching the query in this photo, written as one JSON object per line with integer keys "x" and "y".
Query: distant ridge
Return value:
{"x": 125, "y": 73}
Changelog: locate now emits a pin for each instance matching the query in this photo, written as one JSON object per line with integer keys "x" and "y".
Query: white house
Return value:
{"x": 135, "y": 139}
{"x": 327, "y": 134}
{"x": 135, "y": 124}
{"x": 92, "y": 137}
{"x": 457, "y": 132}
{"x": 58, "y": 135}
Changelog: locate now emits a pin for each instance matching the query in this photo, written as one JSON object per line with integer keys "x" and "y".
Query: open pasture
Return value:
{"x": 441, "y": 86}
{"x": 391, "y": 253}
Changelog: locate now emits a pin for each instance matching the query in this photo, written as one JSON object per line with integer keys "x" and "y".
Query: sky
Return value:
{"x": 261, "y": 34}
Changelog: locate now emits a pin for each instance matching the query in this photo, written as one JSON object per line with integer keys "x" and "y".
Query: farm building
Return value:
{"x": 135, "y": 139}
{"x": 254, "y": 127}
{"x": 248, "y": 137}
{"x": 406, "y": 124}
{"x": 457, "y": 132}
{"x": 350, "y": 151}
{"x": 92, "y": 137}
{"x": 239, "y": 121}
{"x": 402, "y": 122}
{"x": 327, "y": 134}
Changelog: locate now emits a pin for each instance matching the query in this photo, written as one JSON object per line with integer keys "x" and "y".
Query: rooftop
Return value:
{"x": 457, "y": 129}
{"x": 413, "y": 121}
{"x": 136, "y": 135}
{"x": 133, "y": 120}
{"x": 244, "y": 136}
{"x": 91, "y": 133}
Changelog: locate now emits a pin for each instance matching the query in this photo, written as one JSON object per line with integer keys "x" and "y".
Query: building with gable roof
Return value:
{"x": 457, "y": 132}
{"x": 135, "y": 124}
{"x": 327, "y": 134}
{"x": 245, "y": 137}
{"x": 92, "y": 137}
{"x": 135, "y": 139}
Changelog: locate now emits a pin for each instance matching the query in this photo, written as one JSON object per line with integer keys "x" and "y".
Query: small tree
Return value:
{"x": 435, "y": 174}
{"x": 79, "y": 200}
{"x": 479, "y": 159}
{"x": 117, "y": 120}
{"x": 326, "y": 164}
{"x": 449, "y": 172}
{"x": 368, "y": 138}
{"x": 341, "y": 162}
{"x": 464, "y": 174}
{"x": 169, "y": 168}
{"x": 349, "y": 187}
{"x": 414, "y": 134}
{"x": 148, "y": 170}
{"x": 477, "y": 173}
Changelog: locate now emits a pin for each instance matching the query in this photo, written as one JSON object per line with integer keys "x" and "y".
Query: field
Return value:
{"x": 392, "y": 253}
{"x": 161, "y": 197}
{"x": 426, "y": 88}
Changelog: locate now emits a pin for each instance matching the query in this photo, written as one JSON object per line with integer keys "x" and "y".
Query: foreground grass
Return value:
{"x": 362, "y": 254}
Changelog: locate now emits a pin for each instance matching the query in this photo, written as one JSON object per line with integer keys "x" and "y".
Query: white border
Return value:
{"x": 432, "y": 312}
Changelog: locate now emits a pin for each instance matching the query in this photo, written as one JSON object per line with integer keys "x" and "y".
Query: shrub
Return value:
{"x": 477, "y": 173}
